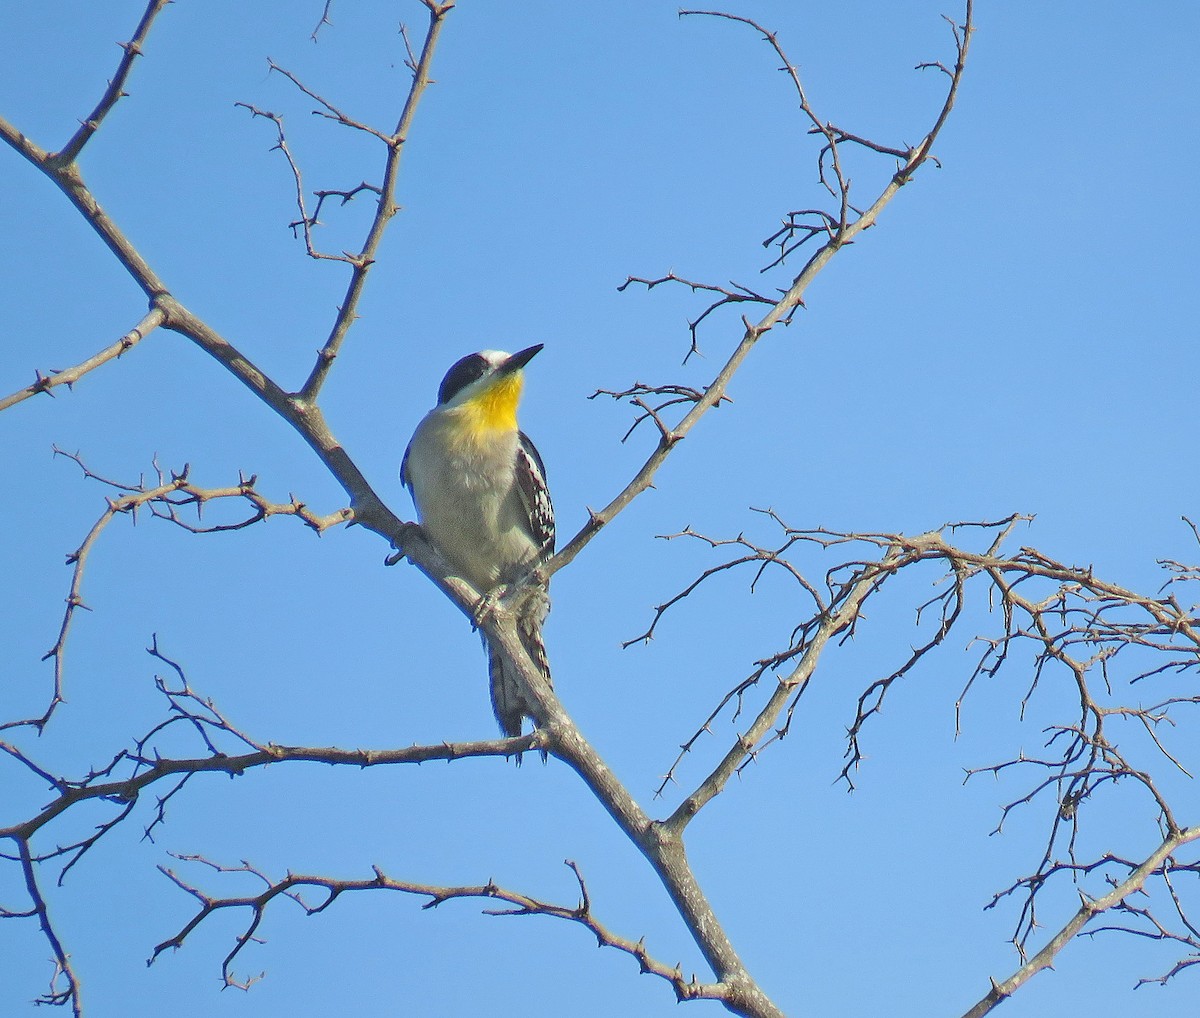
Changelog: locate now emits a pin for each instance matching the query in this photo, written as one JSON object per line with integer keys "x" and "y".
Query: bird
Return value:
{"x": 479, "y": 486}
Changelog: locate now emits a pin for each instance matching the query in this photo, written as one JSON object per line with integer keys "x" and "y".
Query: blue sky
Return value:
{"x": 1017, "y": 334}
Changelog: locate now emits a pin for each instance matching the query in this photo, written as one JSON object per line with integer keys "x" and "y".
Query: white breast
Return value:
{"x": 466, "y": 500}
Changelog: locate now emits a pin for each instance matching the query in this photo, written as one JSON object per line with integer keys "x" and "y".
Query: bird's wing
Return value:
{"x": 535, "y": 495}
{"x": 404, "y": 478}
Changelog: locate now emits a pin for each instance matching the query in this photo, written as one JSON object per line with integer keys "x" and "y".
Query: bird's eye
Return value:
{"x": 465, "y": 371}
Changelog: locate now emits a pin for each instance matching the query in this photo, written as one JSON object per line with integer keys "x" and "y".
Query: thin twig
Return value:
{"x": 69, "y": 376}
{"x": 293, "y": 885}
{"x": 115, "y": 90}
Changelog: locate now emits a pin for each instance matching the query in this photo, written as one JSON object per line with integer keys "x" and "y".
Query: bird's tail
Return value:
{"x": 511, "y": 700}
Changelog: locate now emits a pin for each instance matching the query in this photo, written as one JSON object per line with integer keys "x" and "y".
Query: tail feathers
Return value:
{"x": 508, "y": 695}
{"x": 511, "y": 700}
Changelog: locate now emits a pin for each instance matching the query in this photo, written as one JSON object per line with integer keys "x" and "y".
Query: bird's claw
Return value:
{"x": 486, "y": 606}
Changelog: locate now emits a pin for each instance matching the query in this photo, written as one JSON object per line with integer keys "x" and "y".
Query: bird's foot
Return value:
{"x": 486, "y": 607}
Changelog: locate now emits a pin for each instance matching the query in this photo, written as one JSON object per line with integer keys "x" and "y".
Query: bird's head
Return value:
{"x": 486, "y": 386}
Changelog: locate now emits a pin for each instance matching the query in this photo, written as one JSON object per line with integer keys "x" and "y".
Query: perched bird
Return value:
{"x": 480, "y": 490}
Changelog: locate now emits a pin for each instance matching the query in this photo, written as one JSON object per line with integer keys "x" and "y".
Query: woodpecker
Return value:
{"x": 480, "y": 490}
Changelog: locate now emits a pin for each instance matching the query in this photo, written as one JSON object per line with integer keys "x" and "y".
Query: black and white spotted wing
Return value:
{"x": 535, "y": 496}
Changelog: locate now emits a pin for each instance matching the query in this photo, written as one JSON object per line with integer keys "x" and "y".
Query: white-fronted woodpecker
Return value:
{"x": 480, "y": 491}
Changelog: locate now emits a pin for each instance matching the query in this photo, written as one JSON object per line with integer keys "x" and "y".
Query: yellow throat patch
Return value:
{"x": 494, "y": 409}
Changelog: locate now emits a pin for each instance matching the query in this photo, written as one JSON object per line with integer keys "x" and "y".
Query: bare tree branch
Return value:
{"x": 64, "y": 984}
{"x": 1072, "y": 611}
{"x": 292, "y": 886}
{"x": 1088, "y": 910}
{"x": 299, "y": 410}
{"x": 69, "y": 376}
{"x": 116, "y": 88}
{"x": 329, "y": 110}
{"x": 324, "y": 20}
{"x": 845, "y": 231}
{"x": 386, "y": 207}
{"x": 738, "y": 295}
{"x": 146, "y": 769}
{"x": 661, "y": 841}
{"x": 306, "y": 222}
{"x": 842, "y": 614}
{"x": 172, "y": 493}
{"x": 666, "y": 396}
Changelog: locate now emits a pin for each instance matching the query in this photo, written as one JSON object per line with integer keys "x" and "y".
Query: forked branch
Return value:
{"x": 167, "y": 498}
{"x": 294, "y": 885}
{"x": 1099, "y": 637}
{"x": 843, "y": 227}
{"x": 660, "y": 841}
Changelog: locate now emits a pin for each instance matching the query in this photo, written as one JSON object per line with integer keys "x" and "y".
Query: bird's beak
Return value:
{"x": 518, "y": 360}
